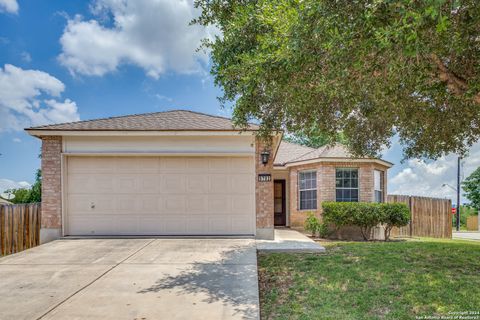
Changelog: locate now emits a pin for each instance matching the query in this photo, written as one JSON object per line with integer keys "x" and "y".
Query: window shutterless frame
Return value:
{"x": 307, "y": 190}
{"x": 378, "y": 185}
{"x": 347, "y": 185}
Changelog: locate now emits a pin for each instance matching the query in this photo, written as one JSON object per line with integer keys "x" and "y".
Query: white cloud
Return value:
{"x": 26, "y": 99}
{"x": 426, "y": 178}
{"x": 10, "y": 6}
{"x": 152, "y": 34}
{"x": 6, "y": 184}
{"x": 17, "y": 140}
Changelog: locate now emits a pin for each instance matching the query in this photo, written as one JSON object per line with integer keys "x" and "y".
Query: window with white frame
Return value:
{"x": 307, "y": 182}
{"x": 378, "y": 185}
{"x": 346, "y": 183}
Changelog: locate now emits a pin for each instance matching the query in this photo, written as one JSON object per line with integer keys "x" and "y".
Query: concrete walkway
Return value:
{"x": 287, "y": 240}
{"x": 132, "y": 279}
{"x": 471, "y": 235}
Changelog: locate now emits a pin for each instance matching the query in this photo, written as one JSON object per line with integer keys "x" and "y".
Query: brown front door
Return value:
{"x": 280, "y": 216}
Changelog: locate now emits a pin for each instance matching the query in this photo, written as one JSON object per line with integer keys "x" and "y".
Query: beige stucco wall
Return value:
{"x": 161, "y": 144}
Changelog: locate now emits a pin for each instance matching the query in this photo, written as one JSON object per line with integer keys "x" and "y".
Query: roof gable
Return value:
{"x": 175, "y": 120}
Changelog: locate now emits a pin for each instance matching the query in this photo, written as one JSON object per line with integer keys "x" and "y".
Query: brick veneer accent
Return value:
{"x": 326, "y": 185}
{"x": 51, "y": 182}
{"x": 263, "y": 190}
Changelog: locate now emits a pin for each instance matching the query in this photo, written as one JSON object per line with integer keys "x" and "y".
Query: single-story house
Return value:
{"x": 188, "y": 173}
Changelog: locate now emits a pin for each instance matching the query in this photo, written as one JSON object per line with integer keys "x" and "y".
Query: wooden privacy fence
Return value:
{"x": 430, "y": 217}
{"x": 472, "y": 223}
{"x": 19, "y": 227}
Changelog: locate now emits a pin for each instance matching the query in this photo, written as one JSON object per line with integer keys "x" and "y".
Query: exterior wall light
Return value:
{"x": 265, "y": 156}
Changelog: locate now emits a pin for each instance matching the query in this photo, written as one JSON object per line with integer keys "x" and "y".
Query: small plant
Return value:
{"x": 323, "y": 230}
{"x": 394, "y": 215}
{"x": 312, "y": 224}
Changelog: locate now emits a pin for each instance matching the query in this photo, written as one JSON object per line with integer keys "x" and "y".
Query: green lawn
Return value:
{"x": 372, "y": 280}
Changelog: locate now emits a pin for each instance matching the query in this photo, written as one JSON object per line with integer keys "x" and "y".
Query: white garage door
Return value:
{"x": 160, "y": 196}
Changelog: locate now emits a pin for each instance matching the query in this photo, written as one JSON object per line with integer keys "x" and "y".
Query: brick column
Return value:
{"x": 264, "y": 192}
{"x": 51, "y": 224}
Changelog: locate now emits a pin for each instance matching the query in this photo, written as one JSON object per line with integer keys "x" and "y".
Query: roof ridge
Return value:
{"x": 100, "y": 119}
{"x": 132, "y": 115}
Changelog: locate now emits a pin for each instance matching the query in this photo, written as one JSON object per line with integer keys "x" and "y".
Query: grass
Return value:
{"x": 372, "y": 280}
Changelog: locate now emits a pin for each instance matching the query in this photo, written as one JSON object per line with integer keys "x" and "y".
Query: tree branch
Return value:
{"x": 455, "y": 83}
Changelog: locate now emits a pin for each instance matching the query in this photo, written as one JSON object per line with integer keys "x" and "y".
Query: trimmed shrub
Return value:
{"x": 365, "y": 215}
{"x": 394, "y": 215}
{"x": 312, "y": 224}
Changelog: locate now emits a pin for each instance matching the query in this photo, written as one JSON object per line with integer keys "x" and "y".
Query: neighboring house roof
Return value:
{"x": 291, "y": 153}
{"x": 175, "y": 120}
{"x": 3, "y": 201}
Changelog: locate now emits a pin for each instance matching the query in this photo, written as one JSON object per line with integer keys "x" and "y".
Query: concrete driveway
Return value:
{"x": 132, "y": 279}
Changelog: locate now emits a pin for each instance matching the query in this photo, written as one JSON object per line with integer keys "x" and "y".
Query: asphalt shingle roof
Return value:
{"x": 290, "y": 152}
{"x": 175, "y": 120}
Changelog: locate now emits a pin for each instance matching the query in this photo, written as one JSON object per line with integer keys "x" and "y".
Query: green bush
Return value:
{"x": 394, "y": 215}
{"x": 365, "y": 215}
{"x": 312, "y": 224}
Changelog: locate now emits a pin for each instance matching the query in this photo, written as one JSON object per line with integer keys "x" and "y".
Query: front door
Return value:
{"x": 280, "y": 216}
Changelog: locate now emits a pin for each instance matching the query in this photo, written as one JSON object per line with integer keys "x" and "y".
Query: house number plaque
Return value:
{"x": 264, "y": 177}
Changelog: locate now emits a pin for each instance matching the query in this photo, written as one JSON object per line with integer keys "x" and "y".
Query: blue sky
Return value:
{"x": 68, "y": 60}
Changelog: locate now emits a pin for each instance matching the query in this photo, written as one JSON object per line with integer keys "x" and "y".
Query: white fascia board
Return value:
{"x": 378, "y": 161}
{"x": 40, "y": 133}
{"x": 159, "y": 154}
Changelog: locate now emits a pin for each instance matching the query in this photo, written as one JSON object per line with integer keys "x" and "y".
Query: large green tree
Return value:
{"x": 34, "y": 194}
{"x": 471, "y": 186}
{"x": 369, "y": 69}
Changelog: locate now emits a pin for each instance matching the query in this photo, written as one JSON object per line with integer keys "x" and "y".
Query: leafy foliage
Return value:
{"x": 369, "y": 69}
{"x": 471, "y": 186}
{"x": 394, "y": 215}
{"x": 366, "y": 215}
{"x": 34, "y": 194}
{"x": 312, "y": 224}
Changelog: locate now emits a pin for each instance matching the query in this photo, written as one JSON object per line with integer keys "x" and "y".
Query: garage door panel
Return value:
{"x": 151, "y": 225}
{"x": 175, "y": 224}
{"x": 126, "y": 225}
{"x": 242, "y": 204}
{"x": 239, "y": 165}
{"x": 197, "y": 225}
{"x": 160, "y": 195}
{"x": 91, "y": 204}
{"x": 242, "y": 184}
{"x": 126, "y": 205}
{"x": 195, "y": 165}
{"x": 175, "y": 204}
{"x": 173, "y": 165}
{"x": 219, "y": 184}
{"x": 90, "y": 165}
{"x": 173, "y": 183}
{"x": 219, "y": 165}
{"x": 197, "y": 204}
{"x": 220, "y": 223}
{"x": 150, "y": 204}
{"x": 126, "y": 183}
{"x": 219, "y": 203}
{"x": 241, "y": 223}
{"x": 197, "y": 183}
